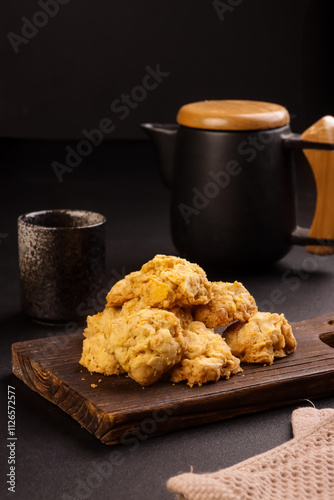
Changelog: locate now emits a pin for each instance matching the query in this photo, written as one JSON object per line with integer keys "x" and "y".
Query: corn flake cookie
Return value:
{"x": 165, "y": 282}
{"x": 147, "y": 344}
{"x": 264, "y": 337}
{"x": 97, "y": 357}
{"x": 207, "y": 357}
{"x": 229, "y": 302}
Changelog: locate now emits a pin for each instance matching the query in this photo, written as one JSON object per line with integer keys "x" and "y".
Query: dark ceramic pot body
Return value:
{"x": 62, "y": 262}
{"x": 233, "y": 196}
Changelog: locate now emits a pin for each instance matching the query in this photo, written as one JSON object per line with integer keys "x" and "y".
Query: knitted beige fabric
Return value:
{"x": 302, "y": 468}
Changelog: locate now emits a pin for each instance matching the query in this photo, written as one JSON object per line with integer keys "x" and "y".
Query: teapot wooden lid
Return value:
{"x": 233, "y": 115}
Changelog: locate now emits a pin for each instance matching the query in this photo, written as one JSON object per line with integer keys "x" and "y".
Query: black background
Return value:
{"x": 65, "y": 78}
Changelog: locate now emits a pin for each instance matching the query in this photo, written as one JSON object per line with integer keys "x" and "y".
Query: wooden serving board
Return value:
{"x": 119, "y": 409}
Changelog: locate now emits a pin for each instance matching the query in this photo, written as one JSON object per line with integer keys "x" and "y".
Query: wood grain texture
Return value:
{"x": 120, "y": 410}
{"x": 322, "y": 164}
{"x": 233, "y": 115}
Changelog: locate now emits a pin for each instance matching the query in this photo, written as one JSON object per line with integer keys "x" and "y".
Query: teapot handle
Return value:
{"x": 322, "y": 164}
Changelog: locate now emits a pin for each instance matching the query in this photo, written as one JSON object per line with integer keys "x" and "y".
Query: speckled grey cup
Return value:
{"x": 62, "y": 262}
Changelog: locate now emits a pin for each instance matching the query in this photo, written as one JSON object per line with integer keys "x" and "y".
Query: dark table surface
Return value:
{"x": 55, "y": 458}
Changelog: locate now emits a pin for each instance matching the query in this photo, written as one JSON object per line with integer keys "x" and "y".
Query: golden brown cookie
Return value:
{"x": 207, "y": 357}
{"x": 97, "y": 357}
{"x": 264, "y": 337}
{"x": 229, "y": 302}
{"x": 147, "y": 343}
{"x": 165, "y": 282}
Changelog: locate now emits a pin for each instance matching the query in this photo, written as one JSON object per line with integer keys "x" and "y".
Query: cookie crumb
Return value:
{"x": 93, "y": 386}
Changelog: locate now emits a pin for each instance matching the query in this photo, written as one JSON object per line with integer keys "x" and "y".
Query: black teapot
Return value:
{"x": 229, "y": 164}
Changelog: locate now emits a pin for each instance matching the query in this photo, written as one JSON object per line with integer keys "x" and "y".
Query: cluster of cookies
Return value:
{"x": 159, "y": 321}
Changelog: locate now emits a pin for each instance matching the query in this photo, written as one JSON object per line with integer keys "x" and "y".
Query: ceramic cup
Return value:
{"x": 61, "y": 262}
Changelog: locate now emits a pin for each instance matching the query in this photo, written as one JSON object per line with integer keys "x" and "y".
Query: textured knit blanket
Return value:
{"x": 302, "y": 468}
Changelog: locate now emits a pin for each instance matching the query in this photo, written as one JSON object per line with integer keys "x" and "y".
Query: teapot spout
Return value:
{"x": 164, "y": 138}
